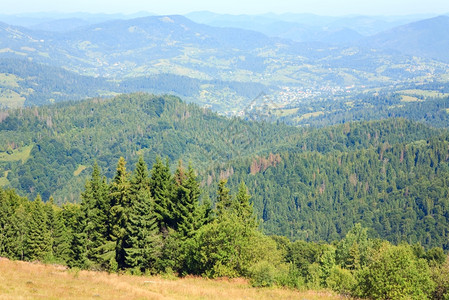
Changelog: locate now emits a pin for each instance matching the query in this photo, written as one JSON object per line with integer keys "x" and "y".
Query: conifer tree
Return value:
{"x": 14, "y": 220}
{"x": 38, "y": 240}
{"x": 161, "y": 187}
{"x": 95, "y": 206}
{"x": 206, "y": 213}
{"x": 224, "y": 198}
{"x": 61, "y": 238}
{"x": 242, "y": 208}
{"x": 187, "y": 211}
{"x": 75, "y": 222}
{"x": 143, "y": 241}
{"x": 120, "y": 209}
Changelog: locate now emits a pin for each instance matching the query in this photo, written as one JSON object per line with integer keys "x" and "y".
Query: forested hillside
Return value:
{"x": 46, "y": 149}
{"x": 157, "y": 222}
{"x": 400, "y": 192}
{"x": 307, "y": 183}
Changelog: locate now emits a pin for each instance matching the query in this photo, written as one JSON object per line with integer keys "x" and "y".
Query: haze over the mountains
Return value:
{"x": 216, "y": 60}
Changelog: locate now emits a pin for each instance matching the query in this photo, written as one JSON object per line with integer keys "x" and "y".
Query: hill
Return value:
{"x": 293, "y": 173}
{"x": 426, "y": 38}
{"x": 66, "y": 136}
{"x": 25, "y": 83}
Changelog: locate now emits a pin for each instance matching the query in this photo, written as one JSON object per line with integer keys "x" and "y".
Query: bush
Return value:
{"x": 263, "y": 274}
{"x": 440, "y": 275}
{"x": 289, "y": 275}
{"x": 341, "y": 280}
{"x": 313, "y": 280}
{"x": 395, "y": 273}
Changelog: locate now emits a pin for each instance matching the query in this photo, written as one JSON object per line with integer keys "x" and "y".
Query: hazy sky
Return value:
{"x": 322, "y": 7}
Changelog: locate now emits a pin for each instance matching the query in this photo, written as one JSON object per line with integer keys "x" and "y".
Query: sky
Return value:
{"x": 320, "y": 7}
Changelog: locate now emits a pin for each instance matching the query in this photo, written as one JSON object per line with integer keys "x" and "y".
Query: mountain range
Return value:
{"x": 137, "y": 48}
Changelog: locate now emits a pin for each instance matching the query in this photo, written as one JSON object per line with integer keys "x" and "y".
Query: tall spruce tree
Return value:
{"x": 143, "y": 240}
{"x": 96, "y": 206}
{"x": 224, "y": 198}
{"x": 61, "y": 238}
{"x": 242, "y": 208}
{"x": 120, "y": 209}
{"x": 14, "y": 220}
{"x": 38, "y": 239}
{"x": 187, "y": 212}
{"x": 161, "y": 187}
{"x": 75, "y": 222}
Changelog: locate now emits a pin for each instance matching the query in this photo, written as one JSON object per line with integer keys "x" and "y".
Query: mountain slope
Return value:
{"x": 426, "y": 38}
{"x": 64, "y": 139}
{"x": 37, "y": 84}
{"x": 306, "y": 183}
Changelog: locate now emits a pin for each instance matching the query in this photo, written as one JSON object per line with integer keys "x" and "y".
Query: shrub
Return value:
{"x": 289, "y": 275}
{"x": 341, "y": 280}
{"x": 263, "y": 274}
{"x": 395, "y": 273}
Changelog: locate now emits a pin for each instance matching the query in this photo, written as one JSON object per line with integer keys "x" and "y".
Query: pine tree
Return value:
{"x": 161, "y": 187}
{"x": 242, "y": 208}
{"x": 143, "y": 241}
{"x": 50, "y": 212}
{"x": 14, "y": 220}
{"x": 205, "y": 212}
{"x": 75, "y": 222}
{"x": 95, "y": 206}
{"x": 61, "y": 238}
{"x": 187, "y": 202}
{"x": 38, "y": 239}
{"x": 224, "y": 199}
{"x": 6, "y": 213}
{"x": 120, "y": 209}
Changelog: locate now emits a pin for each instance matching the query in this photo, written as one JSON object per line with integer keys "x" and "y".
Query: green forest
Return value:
{"x": 311, "y": 184}
{"x": 150, "y": 222}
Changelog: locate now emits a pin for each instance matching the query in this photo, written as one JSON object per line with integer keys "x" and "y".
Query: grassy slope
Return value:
{"x": 19, "y": 154}
{"x": 19, "y": 280}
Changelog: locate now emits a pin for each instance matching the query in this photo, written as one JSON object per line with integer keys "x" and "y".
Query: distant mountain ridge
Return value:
{"x": 152, "y": 45}
{"x": 427, "y": 38}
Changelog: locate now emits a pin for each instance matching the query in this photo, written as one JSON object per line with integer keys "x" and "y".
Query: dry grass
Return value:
{"x": 21, "y": 280}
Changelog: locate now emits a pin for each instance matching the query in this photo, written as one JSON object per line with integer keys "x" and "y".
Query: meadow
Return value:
{"x": 24, "y": 280}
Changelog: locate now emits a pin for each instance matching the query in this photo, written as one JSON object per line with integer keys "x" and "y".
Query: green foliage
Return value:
{"x": 120, "y": 209}
{"x": 397, "y": 191}
{"x": 288, "y": 275}
{"x": 143, "y": 244}
{"x": 387, "y": 175}
{"x": 229, "y": 245}
{"x": 353, "y": 252}
{"x": 38, "y": 239}
{"x": 440, "y": 275}
{"x": 341, "y": 280}
{"x": 263, "y": 274}
{"x": 161, "y": 187}
{"x": 395, "y": 273}
{"x": 96, "y": 207}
